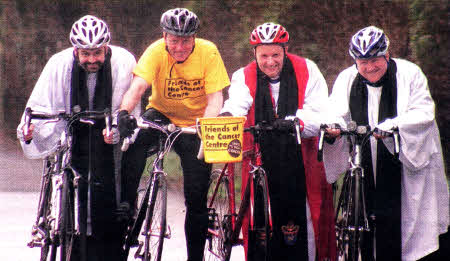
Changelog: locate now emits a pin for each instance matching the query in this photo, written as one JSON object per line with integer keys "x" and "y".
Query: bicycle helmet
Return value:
{"x": 89, "y": 32}
{"x": 368, "y": 42}
{"x": 269, "y": 33}
{"x": 179, "y": 21}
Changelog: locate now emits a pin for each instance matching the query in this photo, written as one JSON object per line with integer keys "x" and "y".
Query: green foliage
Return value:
{"x": 171, "y": 166}
{"x": 320, "y": 30}
{"x": 429, "y": 38}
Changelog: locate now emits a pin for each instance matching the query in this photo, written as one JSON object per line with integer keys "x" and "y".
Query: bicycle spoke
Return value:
{"x": 219, "y": 225}
{"x": 259, "y": 238}
{"x": 152, "y": 235}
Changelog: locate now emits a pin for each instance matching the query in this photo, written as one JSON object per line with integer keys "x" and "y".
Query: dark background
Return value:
{"x": 32, "y": 31}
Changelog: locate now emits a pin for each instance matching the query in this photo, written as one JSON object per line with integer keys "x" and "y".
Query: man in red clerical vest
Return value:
{"x": 278, "y": 87}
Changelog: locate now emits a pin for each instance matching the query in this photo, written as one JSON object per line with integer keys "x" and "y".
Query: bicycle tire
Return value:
{"x": 134, "y": 230}
{"x": 154, "y": 230}
{"x": 341, "y": 219}
{"x": 219, "y": 215}
{"x": 356, "y": 233}
{"x": 67, "y": 216}
{"x": 259, "y": 237}
{"x": 44, "y": 213}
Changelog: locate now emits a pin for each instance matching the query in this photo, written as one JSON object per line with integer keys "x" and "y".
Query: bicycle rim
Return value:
{"x": 45, "y": 212}
{"x": 155, "y": 224}
{"x": 219, "y": 223}
{"x": 258, "y": 243}
{"x": 134, "y": 231}
{"x": 66, "y": 217}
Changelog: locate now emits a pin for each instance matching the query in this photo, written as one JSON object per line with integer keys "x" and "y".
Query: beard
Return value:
{"x": 91, "y": 67}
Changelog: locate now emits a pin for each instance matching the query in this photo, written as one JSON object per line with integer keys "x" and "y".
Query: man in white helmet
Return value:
{"x": 407, "y": 198}
{"x": 92, "y": 75}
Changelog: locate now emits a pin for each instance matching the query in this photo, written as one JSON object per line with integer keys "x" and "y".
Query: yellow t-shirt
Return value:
{"x": 179, "y": 89}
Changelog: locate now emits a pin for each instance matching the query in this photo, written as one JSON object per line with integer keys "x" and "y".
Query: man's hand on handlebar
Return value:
{"x": 113, "y": 137}
{"x": 332, "y": 131}
{"x": 126, "y": 123}
{"x": 284, "y": 125}
{"x": 28, "y": 133}
{"x": 384, "y": 129}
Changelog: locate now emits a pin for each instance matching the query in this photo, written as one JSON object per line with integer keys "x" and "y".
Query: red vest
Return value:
{"x": 319, "y": 192}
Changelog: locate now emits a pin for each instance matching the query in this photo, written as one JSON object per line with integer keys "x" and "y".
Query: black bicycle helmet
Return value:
{"x": 179, "y": 21}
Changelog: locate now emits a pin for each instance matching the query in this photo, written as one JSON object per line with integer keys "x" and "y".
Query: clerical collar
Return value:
{"x": 274, "y": 81}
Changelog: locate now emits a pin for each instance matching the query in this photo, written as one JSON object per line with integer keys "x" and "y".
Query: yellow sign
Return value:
{"x": 222, "y": 138}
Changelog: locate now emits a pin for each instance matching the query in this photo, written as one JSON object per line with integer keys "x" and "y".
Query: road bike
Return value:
{"x": 351, "y": 217}
{"x": 56, "y": 222}
{"x": 225, "y": 224}
{"x": 149, "y": 228}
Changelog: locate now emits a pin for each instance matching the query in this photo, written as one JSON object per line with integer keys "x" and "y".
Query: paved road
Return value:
{"x": 19, "y": 192}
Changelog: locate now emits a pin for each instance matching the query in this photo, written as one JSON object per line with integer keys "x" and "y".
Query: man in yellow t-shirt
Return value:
{"x": 187, "y": 76}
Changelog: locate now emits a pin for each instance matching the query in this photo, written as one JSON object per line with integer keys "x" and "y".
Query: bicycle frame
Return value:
{"x": 59, "y": 179}
{"x": 234, "y": 220}
{"x": 167, "y": 136}
{"x": 352, "y": 205}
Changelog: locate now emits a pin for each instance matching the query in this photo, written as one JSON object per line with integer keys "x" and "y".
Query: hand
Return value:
{"x": 333, "y": 131}
{"x": 225, "y": 114}
{"x": 284, "y": 125}
{"x": 113, "y": 137}
{"x": 126, "y": 123}
{"x": 29, "y": 135}
{"x": 384, "y": 129}
{"x": 379, "y": 134}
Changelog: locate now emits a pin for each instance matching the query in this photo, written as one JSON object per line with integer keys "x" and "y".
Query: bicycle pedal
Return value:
{"x": 290, "y": 233}
{"x": 138, "y": 251}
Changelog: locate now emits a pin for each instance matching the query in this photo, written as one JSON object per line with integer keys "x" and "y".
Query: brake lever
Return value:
{"x": 88, "y": 121}
{"x": 396, "y": 142}
{"x": 108, "y": 123}
{"x": 27, "y": 120}
{"x": 321, "y": 137}
{"x": 297, "y": 130}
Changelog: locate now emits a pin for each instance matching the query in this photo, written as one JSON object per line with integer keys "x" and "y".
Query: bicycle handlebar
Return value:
{"x": 82, "y": 116}
{"x": 360, "y": 131}
{"x": 171, "y": 128}
{"x": 265, "y": 126}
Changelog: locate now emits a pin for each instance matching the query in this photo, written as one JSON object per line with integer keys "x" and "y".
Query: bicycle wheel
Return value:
{"x": 355, "y": 228}
{"x": 155, "y": 224}
{"x": 259, "y": 237}
{"x": 66, "y": 232}
{"x": 44, "y": 215}
{"x": 342, "y": 219}
{"x": 219, "y": 216}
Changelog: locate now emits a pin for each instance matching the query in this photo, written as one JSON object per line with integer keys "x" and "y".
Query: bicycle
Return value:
{"x": 351, "y": 217}
{"x": 224, "y": 223}
{"x": 149, "y": 228}
{"x": 56, "y": 220}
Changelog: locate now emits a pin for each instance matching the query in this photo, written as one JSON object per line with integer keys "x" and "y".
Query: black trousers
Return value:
{"x": 196, "y": 175}
{"x": 106, "y": 238}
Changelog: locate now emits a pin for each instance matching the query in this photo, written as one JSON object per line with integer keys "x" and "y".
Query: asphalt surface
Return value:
{"x": 19, "y": 192}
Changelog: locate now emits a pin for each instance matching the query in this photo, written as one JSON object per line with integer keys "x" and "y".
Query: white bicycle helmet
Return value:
{"x": 269, "y": 33}
{"x": 368, "y": 42}
{"x": 179, "y": 21}
{"x": 89, "y": 32}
